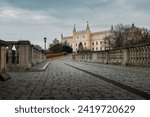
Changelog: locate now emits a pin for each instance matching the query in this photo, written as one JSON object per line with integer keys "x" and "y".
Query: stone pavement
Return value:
{"x": 60, "y": 81}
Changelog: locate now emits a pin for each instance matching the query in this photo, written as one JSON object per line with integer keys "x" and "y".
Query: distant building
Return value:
{"x": 87, "y": 40}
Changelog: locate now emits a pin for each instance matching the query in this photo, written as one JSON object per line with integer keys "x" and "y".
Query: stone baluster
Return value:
{"x": 130, "y": 55}
{"x": 10, "y": 54}
{"x": 17, "y": 54}
{"x": 140, "y": 55}
{"x": 136, "y": 55}
{"x": 144, "y": 55}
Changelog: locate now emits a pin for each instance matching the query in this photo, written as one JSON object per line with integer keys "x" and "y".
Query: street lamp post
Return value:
{"x": 45, "y": 43}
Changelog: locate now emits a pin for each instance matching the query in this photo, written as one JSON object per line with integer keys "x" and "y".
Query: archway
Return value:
{"x": 80, "y": 47}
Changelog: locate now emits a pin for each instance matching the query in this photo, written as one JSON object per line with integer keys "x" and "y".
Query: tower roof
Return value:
{"x": 74, "y": 29}
{"x": 87, "y": 27}
{"x": 133, "y": 26}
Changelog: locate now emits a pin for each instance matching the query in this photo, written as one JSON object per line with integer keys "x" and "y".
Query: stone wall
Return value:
{"x": 136, "y": 55}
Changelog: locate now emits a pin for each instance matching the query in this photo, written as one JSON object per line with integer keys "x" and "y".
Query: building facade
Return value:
{"x": 87, "y": 40}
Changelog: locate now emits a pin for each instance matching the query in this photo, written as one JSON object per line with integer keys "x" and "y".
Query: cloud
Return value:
{"x": 35, "y": 19}
{"x": 10, "y": 14}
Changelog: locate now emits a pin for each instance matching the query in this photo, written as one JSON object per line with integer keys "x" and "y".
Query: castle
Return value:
{"x": 87, "y": 40}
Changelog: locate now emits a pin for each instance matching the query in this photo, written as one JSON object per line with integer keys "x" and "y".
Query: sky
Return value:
{"x": 35, "y": 19}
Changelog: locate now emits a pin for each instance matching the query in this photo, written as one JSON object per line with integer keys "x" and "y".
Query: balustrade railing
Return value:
{"x": 136, "y": 55}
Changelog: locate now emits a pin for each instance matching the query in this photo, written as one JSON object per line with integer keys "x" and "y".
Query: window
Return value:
{"x": 101, "y": 42}
{"x": 92, "y": 43}
{"x": 85, "y": 43}
{"x": 93, "y": 49}
{"x": 96, "y": 48}
{"x": 76, "y": 44}
{"x": 96, "y": 43}
{"x": 100, "y": 48}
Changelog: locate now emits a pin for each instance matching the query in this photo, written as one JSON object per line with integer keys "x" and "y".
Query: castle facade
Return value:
{"x": 87, "y": 40}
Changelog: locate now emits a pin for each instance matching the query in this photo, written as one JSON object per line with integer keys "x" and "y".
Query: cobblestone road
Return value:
{"x": 60, "y": 81}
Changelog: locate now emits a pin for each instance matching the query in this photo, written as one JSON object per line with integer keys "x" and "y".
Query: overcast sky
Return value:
{"x": 35, "y": 19}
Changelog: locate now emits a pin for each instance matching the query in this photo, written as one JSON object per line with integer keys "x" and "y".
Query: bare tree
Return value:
{"x": 125, "y": 35}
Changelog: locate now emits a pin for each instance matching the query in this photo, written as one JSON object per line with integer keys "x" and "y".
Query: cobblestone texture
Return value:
{"x": 60, "y": 81}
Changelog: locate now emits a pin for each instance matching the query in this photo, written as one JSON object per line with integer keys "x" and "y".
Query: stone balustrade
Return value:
{"x": 136, "y": 55}
{"x": 21, "y": 56}
{"x": 139, "y": 55}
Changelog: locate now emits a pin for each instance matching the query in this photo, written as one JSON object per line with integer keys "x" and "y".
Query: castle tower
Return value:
{"x": 112, "y": 27}
{"x": 133, "y": 26}
{"x": 88, "y": 36}
{"x": 61, "y": 36}
{"x": 87, "y": 27}
{"x": 74, "y": 29}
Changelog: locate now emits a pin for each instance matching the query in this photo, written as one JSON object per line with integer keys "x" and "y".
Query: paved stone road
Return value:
{"x": 60, "y": 81}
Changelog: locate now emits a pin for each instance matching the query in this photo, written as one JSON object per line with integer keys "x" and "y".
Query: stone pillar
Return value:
{"x": 94, "y": 57}
{"x": 125, "y": 56}
{"x": 3, "y": 58}
{"x": 24, "y": 53}
{"x": 10, "y": 54}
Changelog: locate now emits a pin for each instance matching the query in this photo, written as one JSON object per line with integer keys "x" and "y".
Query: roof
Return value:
{"x": 100, "y": 32}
